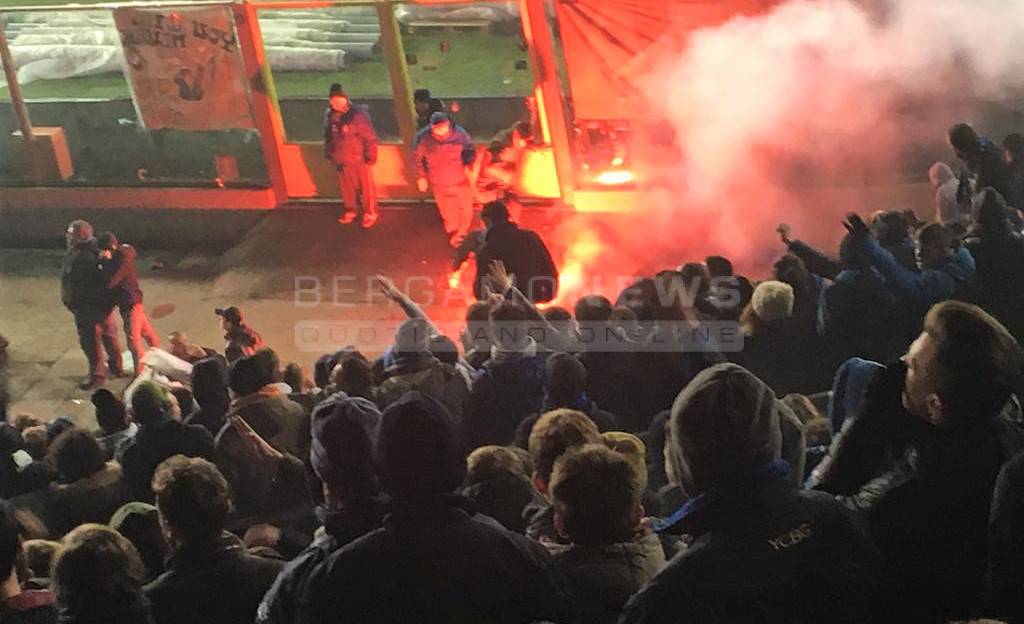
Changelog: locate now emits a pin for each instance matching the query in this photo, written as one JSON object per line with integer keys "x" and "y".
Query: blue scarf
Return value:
{"x": 771, "y": 470}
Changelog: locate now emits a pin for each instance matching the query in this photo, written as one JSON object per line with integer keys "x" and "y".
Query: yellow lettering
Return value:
{"x": 792, "y": 538}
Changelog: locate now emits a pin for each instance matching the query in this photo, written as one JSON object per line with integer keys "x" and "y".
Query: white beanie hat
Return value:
{"x": 772, "y": 300}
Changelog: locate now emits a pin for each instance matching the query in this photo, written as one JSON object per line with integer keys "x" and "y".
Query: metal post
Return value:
{"x": 398, "y": 72}
{"x": 550, "y": 105}
{"x": 17, "y": 101}
{"x": 264, "y": 105}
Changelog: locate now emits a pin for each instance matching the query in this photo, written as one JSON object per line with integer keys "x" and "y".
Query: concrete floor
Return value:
{"x": 258, "y": 275}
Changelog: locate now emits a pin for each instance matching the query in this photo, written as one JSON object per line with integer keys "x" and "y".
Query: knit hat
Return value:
{"x": 110, "y": 410}
{"x": 344, "y": 433}
{"x": 724, "y": 424}
{"x": 149, "y": 403}
{"x": 772, "y": 301}
{"x": 420, "y": 450}
{"x": 10, "y": 438}
{"x": 438, "y": 118}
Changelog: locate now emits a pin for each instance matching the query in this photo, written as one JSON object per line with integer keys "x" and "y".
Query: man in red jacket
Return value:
{"x": 351, "y": 143}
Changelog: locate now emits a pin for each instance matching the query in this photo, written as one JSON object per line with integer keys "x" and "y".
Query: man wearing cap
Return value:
{"x": 350, "y": 142}
{"x": 763, "y": 551}
{"x": 443, "y": 152}
{"x": 84, "y": 292}
{"x": 240, "y": 339}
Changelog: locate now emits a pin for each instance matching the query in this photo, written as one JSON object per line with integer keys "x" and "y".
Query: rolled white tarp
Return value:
{"x": 93, "y": 37}
{"x": 50, "y": 62}
{"x": 486, "y": 11}
{"x": 304, "y": 59}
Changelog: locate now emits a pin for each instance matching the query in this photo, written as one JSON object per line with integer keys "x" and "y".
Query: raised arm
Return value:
{"x": 411, "y": 309}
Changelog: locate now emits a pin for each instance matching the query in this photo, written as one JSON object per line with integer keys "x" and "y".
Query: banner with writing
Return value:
{"x": 185, "y": 68}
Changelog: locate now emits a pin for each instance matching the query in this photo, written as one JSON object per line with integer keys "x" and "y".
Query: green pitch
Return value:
{"x": 477, "y": 64}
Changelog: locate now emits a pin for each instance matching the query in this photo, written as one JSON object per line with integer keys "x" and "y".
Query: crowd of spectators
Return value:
{"x": 857, "y": 459}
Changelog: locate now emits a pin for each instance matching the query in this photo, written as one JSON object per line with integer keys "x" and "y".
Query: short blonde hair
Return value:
{"x": 95, "y": 564}
{"x": 556, "y": 432}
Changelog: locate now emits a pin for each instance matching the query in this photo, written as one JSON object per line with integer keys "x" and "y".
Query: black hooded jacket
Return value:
{"x": 525, "y": 255}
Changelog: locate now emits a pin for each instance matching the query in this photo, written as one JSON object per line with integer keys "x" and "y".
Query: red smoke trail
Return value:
{"x": 799, "y": 115}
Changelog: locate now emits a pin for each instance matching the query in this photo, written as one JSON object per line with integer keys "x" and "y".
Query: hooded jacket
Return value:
{"x": 444, "y": 161}
{"x": 762, "y": 551}
{"x": 525, "y": 255}
{"x": 349, "y": 138}
{"x": 340, "y": 527}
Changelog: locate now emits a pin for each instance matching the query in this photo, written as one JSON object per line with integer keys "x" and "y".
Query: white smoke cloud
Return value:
{"x": 783, "y": 116}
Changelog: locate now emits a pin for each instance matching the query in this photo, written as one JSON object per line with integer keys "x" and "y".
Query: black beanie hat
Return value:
{"x": 420, "y": 450}
{"x": 110, "y": 410}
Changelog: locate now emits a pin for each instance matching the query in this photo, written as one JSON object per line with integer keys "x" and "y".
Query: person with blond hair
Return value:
{"x": 97, "y": 577}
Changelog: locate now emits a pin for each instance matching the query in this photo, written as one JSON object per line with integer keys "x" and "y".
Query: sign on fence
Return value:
{"x": 185, "y": 68}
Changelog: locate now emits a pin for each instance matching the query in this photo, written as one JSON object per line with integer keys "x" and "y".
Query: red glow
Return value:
{"x": 579, "y": 260}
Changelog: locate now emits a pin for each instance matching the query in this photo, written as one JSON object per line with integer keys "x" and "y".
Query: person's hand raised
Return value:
{"x": 388, "y": 288}
{"x": 855, "y": 225}
{"x": 784, "y": 231}
{"x": 500, "y": 277}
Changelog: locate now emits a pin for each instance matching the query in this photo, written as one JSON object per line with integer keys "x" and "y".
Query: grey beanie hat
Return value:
{"x": 724, "y": 424}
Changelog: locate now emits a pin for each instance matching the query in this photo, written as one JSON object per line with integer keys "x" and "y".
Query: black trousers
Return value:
{"x": 97, "y": 335}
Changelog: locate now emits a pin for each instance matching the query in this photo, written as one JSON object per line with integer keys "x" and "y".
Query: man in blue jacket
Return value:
{"x": 443, "y": 152}
{"x": 945, "y": 270}
{"x": 351, "y": 143}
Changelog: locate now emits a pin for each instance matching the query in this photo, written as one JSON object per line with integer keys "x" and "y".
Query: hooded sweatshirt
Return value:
{"x": 762, "y": 551}
{"x": 947, "y": 208}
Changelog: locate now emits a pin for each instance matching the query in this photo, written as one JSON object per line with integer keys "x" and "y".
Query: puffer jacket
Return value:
{"x": 602, "y": 578}
{"x": 349, "y": 138}
{"x": 444, "y": 162}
